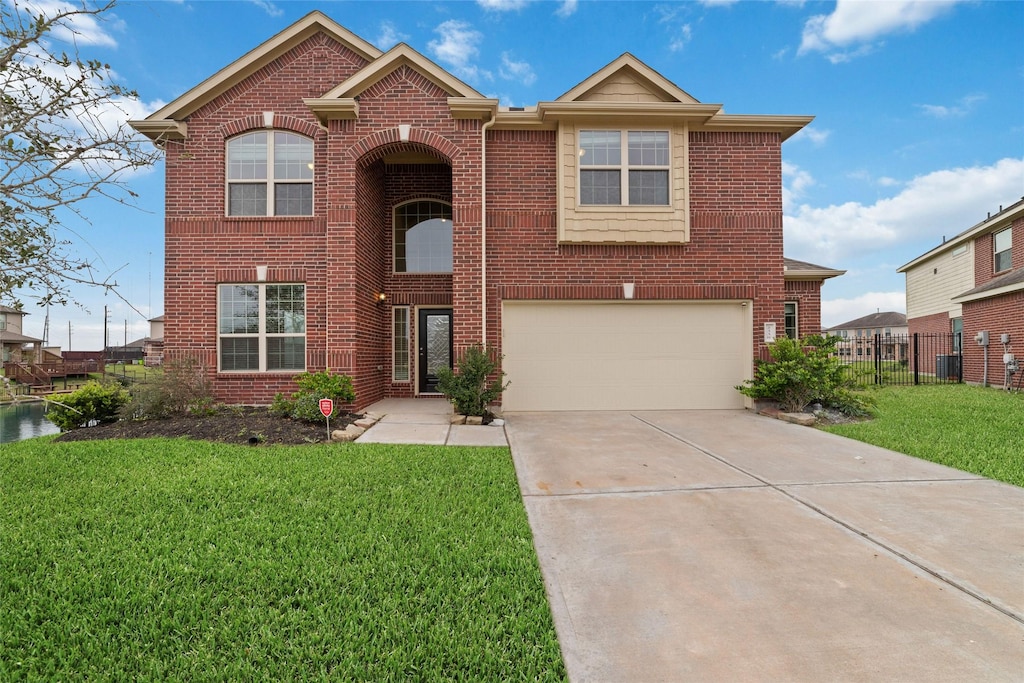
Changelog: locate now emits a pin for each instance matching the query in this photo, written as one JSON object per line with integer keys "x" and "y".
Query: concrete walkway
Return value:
{"x": 724, "y": 546}
{"x": 426, "y": 421}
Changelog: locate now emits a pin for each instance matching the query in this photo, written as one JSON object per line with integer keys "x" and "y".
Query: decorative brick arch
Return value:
{"x": 384, "y": 142}
{"x": 281, "y": 122}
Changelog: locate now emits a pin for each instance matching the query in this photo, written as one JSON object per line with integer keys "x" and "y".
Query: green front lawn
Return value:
{"x": 975, "y": 429}
{"x": 185, "y": 560}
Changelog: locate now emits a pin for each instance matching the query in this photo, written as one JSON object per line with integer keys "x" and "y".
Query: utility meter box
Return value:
{"x": 982, "y": 338}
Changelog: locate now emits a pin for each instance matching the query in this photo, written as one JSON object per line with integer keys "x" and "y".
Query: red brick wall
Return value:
{"x": 999, "y": 315}
{"x": 984, "y": 254}
{"x": 807, "y": 295}
{"x": 937, "y": 323}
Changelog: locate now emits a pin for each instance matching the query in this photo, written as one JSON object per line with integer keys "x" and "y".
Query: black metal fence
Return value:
{"x": 903, "y": 359}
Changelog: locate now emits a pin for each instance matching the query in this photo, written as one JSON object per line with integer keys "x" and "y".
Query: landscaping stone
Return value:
{"x": 458, "y": 419}
{"x": 365, "y": 422}
{"x": 342, "y": 435}
{"x": 474, "y": 420}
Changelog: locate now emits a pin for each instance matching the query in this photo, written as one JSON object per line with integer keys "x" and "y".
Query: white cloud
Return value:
{"x": 944, "y": 202}
{"x": 681, "y": 40}
{"x": 79, "y": 29}
{"x": 838, "y": 311}
{"x": 516, "y": 71}
{"x": 502, "y": 5}
{"x": 795, "y": 182}
{"x": 389, "y": 36}
{"x": 567, "y": 8}
{"x": 817, "y": 136}
{"x": 457, "y": 47}
{"x": 963, "y": 107}
{"x": 270, "y": 8}
{"x": 857, "y": 23}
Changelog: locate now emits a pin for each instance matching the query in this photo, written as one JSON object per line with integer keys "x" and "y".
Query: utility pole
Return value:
{"x": 106, "y": 338}
{"x": 69, "y": 335}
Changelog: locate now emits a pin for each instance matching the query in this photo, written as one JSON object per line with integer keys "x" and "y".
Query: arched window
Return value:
{"x": 423, "y": 237}
{"x": 270, "y": 173}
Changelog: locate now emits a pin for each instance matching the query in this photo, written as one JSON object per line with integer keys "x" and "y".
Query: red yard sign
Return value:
{"x": 326, "y": 406}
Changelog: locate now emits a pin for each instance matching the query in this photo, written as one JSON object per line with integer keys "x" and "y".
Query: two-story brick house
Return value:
{"x": 970, "y": 284}
{"x": 332, "y": 206}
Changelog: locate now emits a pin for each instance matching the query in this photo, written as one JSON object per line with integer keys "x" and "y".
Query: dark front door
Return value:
{"x": 434, "y": 333}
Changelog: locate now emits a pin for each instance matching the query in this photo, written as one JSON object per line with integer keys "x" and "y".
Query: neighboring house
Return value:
{"x": 974, "y": 284}
{"x": 154, "y": 347}
{"x": 859, "y": 337}
{"x": 12, "y": 339}
{"x": 330, "y": 206}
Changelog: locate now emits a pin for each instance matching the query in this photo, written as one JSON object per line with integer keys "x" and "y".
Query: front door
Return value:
{"x": 434, "y": 333}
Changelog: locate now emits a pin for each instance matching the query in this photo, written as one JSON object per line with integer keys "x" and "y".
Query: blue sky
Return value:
{"x": 919, "y": 107}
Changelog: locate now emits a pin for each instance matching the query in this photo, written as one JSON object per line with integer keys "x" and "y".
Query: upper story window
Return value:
{"x": 640, "y": 177}
{"x": 270, "y": 173}
{"x": 1003, "y": 247}
{"x": 262, "y": 327}
{"x": 423, "y": 237}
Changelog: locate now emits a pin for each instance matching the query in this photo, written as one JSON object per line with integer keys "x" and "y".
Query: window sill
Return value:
{"x": 605, "y": 208}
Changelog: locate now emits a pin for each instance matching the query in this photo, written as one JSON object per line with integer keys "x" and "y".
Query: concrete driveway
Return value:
{"x": 725, "y": 546}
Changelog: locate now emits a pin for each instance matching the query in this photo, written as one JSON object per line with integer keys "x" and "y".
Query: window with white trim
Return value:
{"x": 638, "y": 178}
{"x": 261, "y": 327}
{"x": 400, "y": 344}
{"x": 1002, "y": 246}
{"x": 790, "y": 319}
{"x": 270, "y": 173}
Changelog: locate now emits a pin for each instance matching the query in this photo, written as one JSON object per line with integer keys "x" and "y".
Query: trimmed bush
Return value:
{"x": 806, "y": 371}
{"x": 469, "y": 389}
{"x": 304, "y": 404}
{"x": 93, "y": 403}
{"x": 184, "y": 388}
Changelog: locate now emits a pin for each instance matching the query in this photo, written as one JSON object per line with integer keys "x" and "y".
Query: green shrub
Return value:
{"x": 93, "y": 403}
{"x": 469, "y": 389}
{"x": 183, "y": 388}
{"x": 304, "y": 404}
{"x": 805, "y": 371}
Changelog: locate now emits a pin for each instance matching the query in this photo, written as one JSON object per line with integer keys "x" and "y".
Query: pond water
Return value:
{"x": 23, "y": 421}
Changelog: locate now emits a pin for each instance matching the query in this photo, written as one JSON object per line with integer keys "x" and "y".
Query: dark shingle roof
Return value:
{"x": 884, "y": 319}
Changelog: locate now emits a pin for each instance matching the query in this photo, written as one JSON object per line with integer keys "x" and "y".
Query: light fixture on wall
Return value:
{"x": 627, "y": 290}
{"x": 381, "y": 298}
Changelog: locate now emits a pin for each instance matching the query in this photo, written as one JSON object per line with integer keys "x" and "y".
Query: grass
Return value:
{"x": 185, "y": 560}
{"x": 975, "y": 429}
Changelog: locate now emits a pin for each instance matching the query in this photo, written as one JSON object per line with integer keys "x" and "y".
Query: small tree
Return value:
{"x": 64, "y": 139}
{"x": 477, "y": 383}
{"x": 803, "y": 371}
{"x": 184, "y": 387}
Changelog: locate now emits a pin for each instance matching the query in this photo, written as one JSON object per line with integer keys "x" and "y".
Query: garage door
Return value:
{"x": 632, "y": 355}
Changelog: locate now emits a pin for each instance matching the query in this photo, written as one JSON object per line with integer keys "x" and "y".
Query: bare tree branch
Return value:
{"x": 63, "y": 138}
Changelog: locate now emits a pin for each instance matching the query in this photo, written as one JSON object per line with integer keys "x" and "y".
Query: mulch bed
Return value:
{"x": 235, "y": 425}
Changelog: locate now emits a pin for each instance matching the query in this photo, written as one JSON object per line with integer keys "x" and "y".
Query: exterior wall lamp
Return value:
{"x": 380, "y": 298}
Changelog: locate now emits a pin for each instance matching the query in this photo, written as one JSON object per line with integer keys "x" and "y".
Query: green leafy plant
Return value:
{"x": 183, "y": 388}
{"x": 804, "y": 371}
{"x": 94, "y": 403}
{"x": 477, "y": 383}
{"x": 304, "y": 404}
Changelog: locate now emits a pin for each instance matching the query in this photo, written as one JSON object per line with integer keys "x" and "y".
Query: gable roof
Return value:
{"x": 167, "y": 122}
{"x": 342, "y": 100}
{"x": 626, "y": 64}
{"x": 880, "y": 319}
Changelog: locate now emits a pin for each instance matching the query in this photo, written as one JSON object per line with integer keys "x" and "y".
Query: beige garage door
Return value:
{"x": 632, "y": 355}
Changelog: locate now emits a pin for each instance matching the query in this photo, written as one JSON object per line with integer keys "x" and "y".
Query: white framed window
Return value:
{"x": 423, "y": 237}
{"x": 640, "y": 177}
{"x": 400, "y": 371}
{"x": 790, "y": 319}
{"x": 261, "y": 327}
{"x": 270, "y": 173}
{"x": 1002, "y": 247}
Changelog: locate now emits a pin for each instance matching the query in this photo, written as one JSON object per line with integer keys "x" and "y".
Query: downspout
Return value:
{"x": 483, "y": 228}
